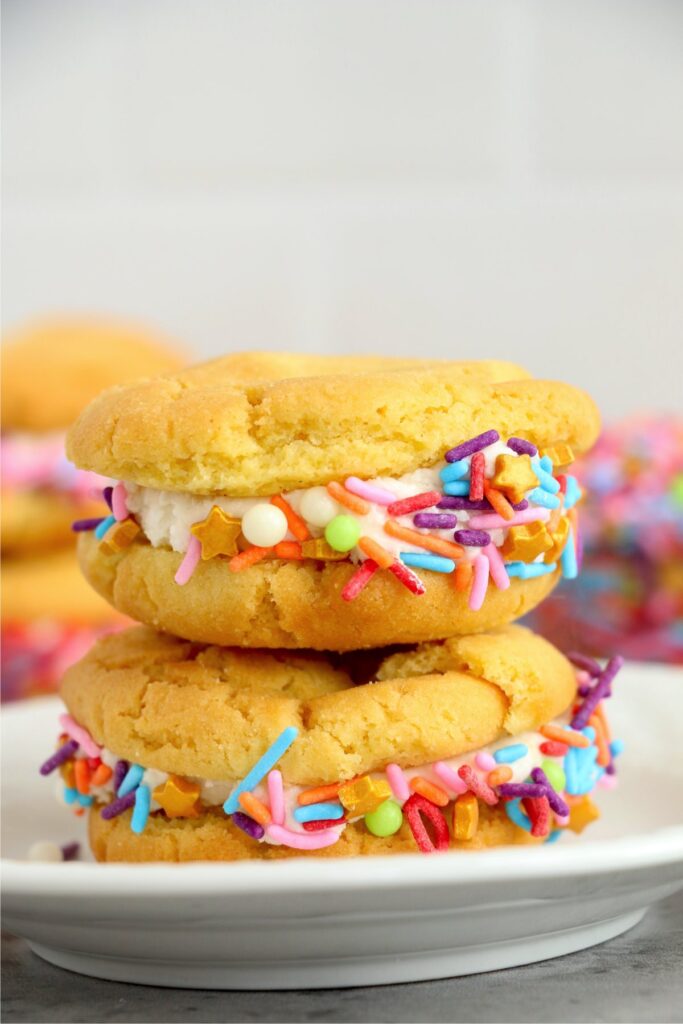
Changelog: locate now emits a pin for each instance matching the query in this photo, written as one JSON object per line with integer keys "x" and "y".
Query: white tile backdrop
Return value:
{"x": 454, "y": 177}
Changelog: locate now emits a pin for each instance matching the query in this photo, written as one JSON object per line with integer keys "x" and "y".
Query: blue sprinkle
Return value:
{"x": 516, "y": 814}
{"x": 435, "y": 563}
{"x": 85, "y": 800}
{"x": 530, "y": 570}
{"x": 581, "y": 768}
{"x": 459, "y": 489}
{"x": 546, "y": 463}
{"x": 547, "y": 482}
{"x": 70, "y": 795}
{"x": 131, "y": 779}
{"x": 141, "y": 810}
{"x": 616, "y": 747}
{"x": 568, "y": 560}
{"x": 554, "y": 836}
{"x": 543, "y": 498}
{"x": 511, "y": 753}
{"x": 454, "y": 471}
{"x": 261, "y": 768}
{"x": 572, "y": 492}
{"x": 104, "y": 526}
{"x": 318, "y": 812}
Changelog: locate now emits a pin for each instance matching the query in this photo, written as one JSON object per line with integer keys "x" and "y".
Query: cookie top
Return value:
{"x": 213, "y": 430}
{"x": 211, "y": 712}
{"x": 52, "y": 368}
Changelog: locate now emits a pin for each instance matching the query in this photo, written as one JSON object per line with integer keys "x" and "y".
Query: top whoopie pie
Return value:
{"x": 333, "y": 502}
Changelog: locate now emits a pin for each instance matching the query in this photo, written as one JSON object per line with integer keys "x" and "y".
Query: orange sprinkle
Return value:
{"x": 82, "y": 776}
{"x": 101, "y": 775}
{"x": 350, "y": 501}
{"x": 288, "y": 549}
{"x": 375, "y": 551}
{"x": 423, "y": 540}
{"x": 600, "y": 713}
{"x": 499, "y": 775}
{"x": 498, "y": 501}
{"x": 255, "y": 808}
{"x": 429, "y": 791}
{"x": 295, "y": 523}
{"x": 67, "y": 772}
{"x": 568, "y": 736}
{"x": 319, "y": 795}
{"x": 246, "y": 558}
{"x": 463, "y": 575}
{"x": 603, "y": 757}
{"x": 465, "y": 817}
{"x": 78, "y": 811}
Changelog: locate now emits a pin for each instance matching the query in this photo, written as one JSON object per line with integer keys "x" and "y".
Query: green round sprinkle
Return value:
{"x": 342, "y": 533}
{"x": 554, "y": 774}
{"x": 677, "y": 489}
{"x": 385, "y": 819}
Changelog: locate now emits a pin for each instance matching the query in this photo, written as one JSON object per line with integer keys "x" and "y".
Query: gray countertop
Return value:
{"x": 635, "y": 977}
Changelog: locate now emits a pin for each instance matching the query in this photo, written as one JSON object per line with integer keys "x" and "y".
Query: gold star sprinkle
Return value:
{"x": 559, "y": 537}
{"x": 560, "y": 454}
{"x": 178, "y": 798}
{"x": 582, "y": 814}
{"x": 527, "y": 542}
{"x": 514, "y": 476}
{"x": 217, "y": 534}
{"x": 320, "y": 549}
{"x": 364, "y": 795}
{"x": 119, "y": 536}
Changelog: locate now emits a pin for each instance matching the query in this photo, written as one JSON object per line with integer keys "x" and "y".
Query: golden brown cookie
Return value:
{"x": 211, "y": 712}
{"x": 50, "y": 587}
{"x": 293, "y": 605}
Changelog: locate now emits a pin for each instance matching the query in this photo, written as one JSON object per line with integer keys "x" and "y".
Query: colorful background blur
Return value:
{"x": 439, "y": 177}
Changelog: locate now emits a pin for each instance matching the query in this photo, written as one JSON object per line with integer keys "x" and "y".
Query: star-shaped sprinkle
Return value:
{"x": 217, "y": 534}
{"x": 560, "y": 454}
{"x": 514, "y": 476}
{"x": 364, "y": 795}
{"x": 119, "y": 536}
{"x": 527, "y": 542}
{"x": 581, "y": 814}
{"x": 559, "y": 537}
{"x": 178, "y": 798}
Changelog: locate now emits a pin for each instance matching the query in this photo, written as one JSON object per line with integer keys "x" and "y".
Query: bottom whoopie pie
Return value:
{"x": 183, "y": 751}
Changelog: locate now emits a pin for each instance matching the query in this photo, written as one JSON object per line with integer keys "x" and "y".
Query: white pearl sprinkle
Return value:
{"x": 264, "y": 525}
{"x": 44, "y": 850}
{"x": 318, "y": 507}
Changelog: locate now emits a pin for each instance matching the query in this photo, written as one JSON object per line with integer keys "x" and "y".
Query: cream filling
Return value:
{"x": 166, "y": 516}
{"x": 214, "y": 792}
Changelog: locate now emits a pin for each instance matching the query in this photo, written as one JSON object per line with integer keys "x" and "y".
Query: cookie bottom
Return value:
{"x": 213, "y": 836}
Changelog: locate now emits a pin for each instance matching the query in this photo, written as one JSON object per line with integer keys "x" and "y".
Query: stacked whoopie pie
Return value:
{"x": 51, "y": 369}
{"x": 333, "y": 550}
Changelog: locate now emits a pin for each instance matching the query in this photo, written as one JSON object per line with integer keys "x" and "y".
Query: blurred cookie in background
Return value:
{"x": 628, "y": 597}
{"x": 51, "y": 369}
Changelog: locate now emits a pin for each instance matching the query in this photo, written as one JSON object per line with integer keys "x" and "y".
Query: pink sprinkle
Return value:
{"x": 480, "y": 788}
{"x": 276, "y": 797}
{"x": 493, "y": 522}
{"x": 608, "y": 781}
{"x": 562, "y": 822}
{"x": 480, "y": 583}
{"x": 451, "y": 778}
{"x": 302, "y": 840}
{"x": 118, "y": 503}
{"x": 485, "y": 761}
{"x": 189, "y": 562}
{"x": 369, "y": 491}
{"x": 499, "y": 573}
{"x": 81, "y": 735}
{"x": 397, "y": 781}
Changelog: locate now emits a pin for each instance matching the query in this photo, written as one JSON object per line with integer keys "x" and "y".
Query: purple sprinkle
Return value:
{"x": 584, "y": 690}
{"x": 70, "y": 851}
{"x": 118, "y": 806}
{"x": 589, "y": 665}
{"x": 475, "y": 506}
{"x": 120, "y": 772}
{"x": 66, "y": 751}
{"x": 610, "y": 769}
{"x": 475, "y": 444}
{"x": 521, "y": 789}
{"x": 248, "y": 825}
{"x": 522, "y": 447}
{"x": 579, "y": 547}
{"x": 472, "y": 538}
{"x": 600, "y": 690}
{"x": 106, "y": 494}
{"x": 434, "y": 521}
{"x": 556, "y": 802}
{"x": 86, "y": 524}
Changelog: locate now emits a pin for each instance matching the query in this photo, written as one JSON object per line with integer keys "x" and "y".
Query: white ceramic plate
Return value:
{"x": 317, "y": 923}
